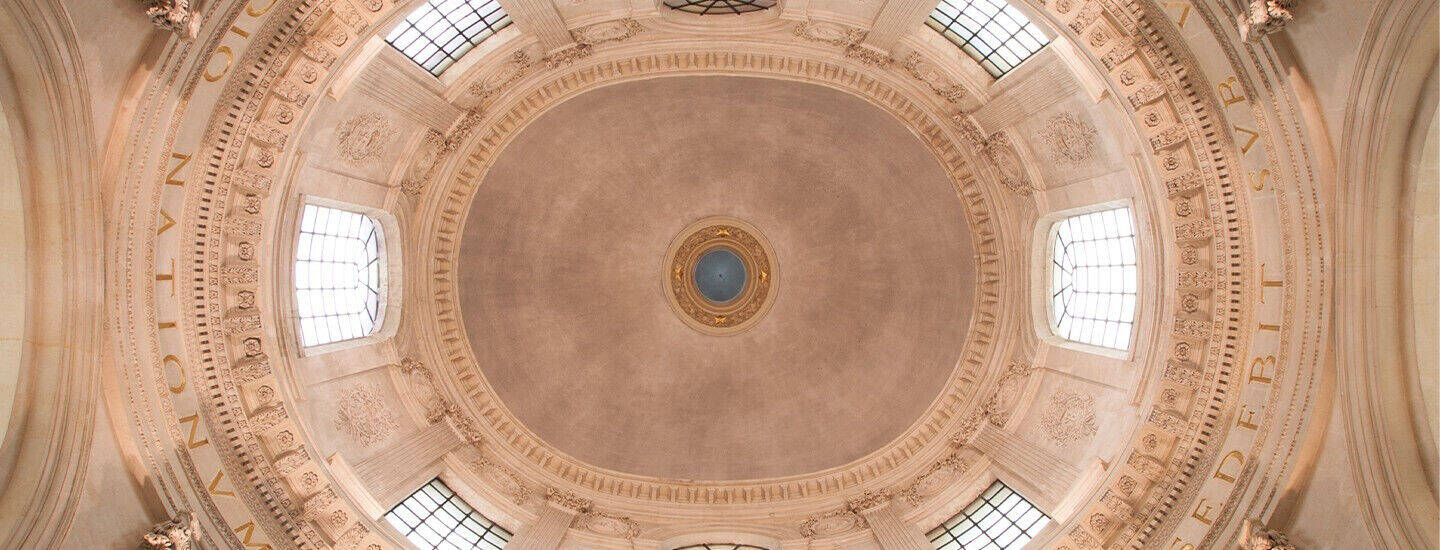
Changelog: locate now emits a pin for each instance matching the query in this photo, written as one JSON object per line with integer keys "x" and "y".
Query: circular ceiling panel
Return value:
{"x": 568, "y": 316}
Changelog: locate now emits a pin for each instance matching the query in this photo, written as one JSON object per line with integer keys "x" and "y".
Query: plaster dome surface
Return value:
{"x": 562, "y": 263}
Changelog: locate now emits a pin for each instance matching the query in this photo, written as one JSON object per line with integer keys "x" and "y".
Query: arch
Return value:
{"x": 46, "y": 449}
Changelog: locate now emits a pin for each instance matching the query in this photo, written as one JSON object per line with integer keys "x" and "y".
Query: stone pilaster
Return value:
{"x": 546, "y": 532}
{"x": 1042, "y": 477}
{"x": 891, "y": 531}
{"x": 538, "y": 17}
{"x": 388, "y": 474}
{"x": 896, "y": 18}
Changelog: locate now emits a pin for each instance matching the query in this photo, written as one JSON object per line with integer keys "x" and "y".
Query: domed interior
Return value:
{"x": 563, "y": 258}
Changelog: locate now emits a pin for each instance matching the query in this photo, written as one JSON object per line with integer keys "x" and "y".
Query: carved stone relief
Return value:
{"x": 363, "y": 137}
{"x": 1068, "y": 138}
{"x": 362, "y": 415}
{"x": 175, "y": 16}
{"x": 1262, "y": 18}
{"x": 1068, "y": 417}
{"x": 831, "y": 523}
{"x": 176, "y": 534}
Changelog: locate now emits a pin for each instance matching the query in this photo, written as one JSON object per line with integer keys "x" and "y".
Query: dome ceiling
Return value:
{"x": 564, "y": 257}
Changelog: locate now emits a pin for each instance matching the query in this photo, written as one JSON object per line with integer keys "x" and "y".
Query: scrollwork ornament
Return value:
{"x": 363, "y": 137}
{"x": 175, "y": 534}
{"x": 363, "y": 415}
{"x": 1069, "y": 417}
{"x": 831, "y": 523}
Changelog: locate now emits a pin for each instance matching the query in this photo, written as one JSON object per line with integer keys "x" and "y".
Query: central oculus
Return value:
{"x": 720, "y": 275}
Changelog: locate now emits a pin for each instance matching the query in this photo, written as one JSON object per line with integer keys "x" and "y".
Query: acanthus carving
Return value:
{"x": 174, "y": 16}
{"x": 1259, "y": 537}
{"x": 568, "y": 500}
{"x": 1007, "y": 392}
{"x": 1262, "y": 18}
{"x": 934, "y": 480}
{"x": 175, "y": 534}
{"x": 924, "y": 71}
{"x": 505, "y": 479}
{"x": 1069, "y": 417}
{"x": 608, "y": 525}
{"x": 362, "y": 414}
{"x": 609, "y": 31}
{"x": 868, "y": 501}
{"x": 831, "y": 523}
{"x": 1001, "y": 154}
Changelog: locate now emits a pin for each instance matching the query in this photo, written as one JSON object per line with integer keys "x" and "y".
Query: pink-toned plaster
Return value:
{"x": 562, "y": 264}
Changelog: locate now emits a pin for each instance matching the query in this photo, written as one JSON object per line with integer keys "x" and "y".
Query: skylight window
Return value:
{"x": 720, "y": 546}
{"x": 711, "y": 7}
{"x": 435, "y": 517}
{"x": 993, "y": 32}
{"x": 1000, "y": 519}
{"x": 1093, "y": 278}
{"x": 338, "y": 283}
{"x": 437, "y": 33}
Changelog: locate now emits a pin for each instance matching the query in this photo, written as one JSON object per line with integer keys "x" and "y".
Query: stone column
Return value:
{"x": 549, "y": 529}
{"x": 892, "y": 532}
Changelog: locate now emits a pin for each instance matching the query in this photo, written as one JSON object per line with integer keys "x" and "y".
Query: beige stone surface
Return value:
{"x": 562, "y": 271}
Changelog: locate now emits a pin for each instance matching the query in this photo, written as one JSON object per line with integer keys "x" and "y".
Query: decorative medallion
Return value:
{"x": 363, "y": 137}
{"x": 720, "y": 275}
{"x": 363, "y": 415}
{"x": 1069, "y": 418}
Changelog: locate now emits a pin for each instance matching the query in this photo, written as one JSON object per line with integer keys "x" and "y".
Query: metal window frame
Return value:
{"x": 369, "y": 275}
{"x": 716, "y": 7}
{"x": 445, "y": 55}
{"x": 721, "y": 546}
{"x": 953, "y": 30}
{"x": 948, "y": 532}
{"x": 1064, "y": 263}
{"x": 408, "y": 531}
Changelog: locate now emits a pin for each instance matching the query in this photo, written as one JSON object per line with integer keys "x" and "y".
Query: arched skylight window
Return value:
{"x": 338, "y": 282}
{"x": 435, "y": 517}
{"x": 993, "y": 32}
{"x": 722, "y": 546}
{"x": 437, "y": 33}
{"x": 1093, "y": 278}
{"x": 999, "y": 519}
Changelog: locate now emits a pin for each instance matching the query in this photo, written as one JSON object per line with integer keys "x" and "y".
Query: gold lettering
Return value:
{"x": 1227, "y": 92}
{"x": 1220, "y": 470}
{"x": 1257, "y": 180}
{"x": 229, "y": 58}
{"x": 1184, "y": 12}
{"x": 249, "y": 529}
{"x": 1202, "y": 516}
{"x": 239, "y": 31}
{"x": 1245, "y": 421}
{"x": 167, "y": 224}
{"x": 215, "y": 485}
{"x": 194, "y": 421}
{"x": 170, "y": 178}
{"x": 1267, "y": 283}
{"x": 162, "y": 325}
{"x": 178, "y": 365}
{"x": 1259, "y": 365}
{"x": 1186, "y": 546}
{"x": 1272, "y": 328}
{"x": 1254, "y": 136}
{"x": 250, "y": 9}
{"x": 161, "y": 277}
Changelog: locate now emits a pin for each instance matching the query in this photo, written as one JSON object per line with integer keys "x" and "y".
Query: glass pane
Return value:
{"x": 998, "y": 519}
{"x": 433, "y": 517}
{"x": 994, "y": 33}
{"x": 440, "y": 31}
{"x": 337, "y": 275}
{"x": 1093, "y": 278}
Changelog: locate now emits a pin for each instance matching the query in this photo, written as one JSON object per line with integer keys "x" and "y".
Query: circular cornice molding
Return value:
{"x": 277, "y": 475}
{"x": 690, "y": 300}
